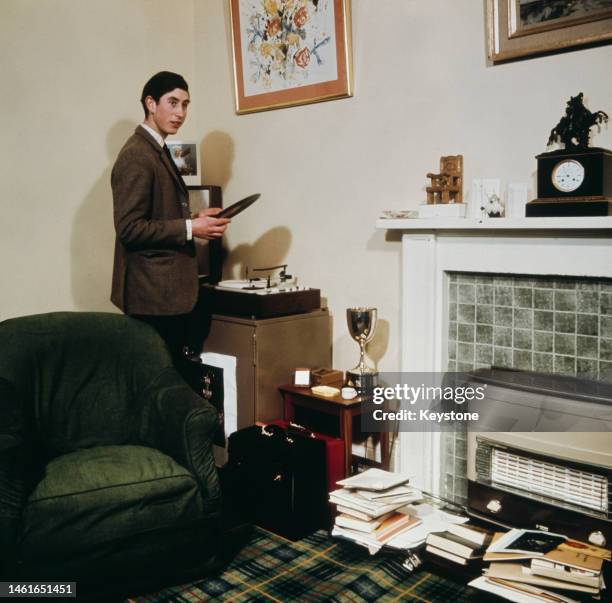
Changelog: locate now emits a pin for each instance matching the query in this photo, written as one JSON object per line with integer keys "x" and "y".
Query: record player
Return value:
{"x": 263, "y": 294}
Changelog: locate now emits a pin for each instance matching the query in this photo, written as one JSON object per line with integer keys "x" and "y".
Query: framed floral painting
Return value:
{"x": 521, "y": 28}
{"x": 290, "y": 52}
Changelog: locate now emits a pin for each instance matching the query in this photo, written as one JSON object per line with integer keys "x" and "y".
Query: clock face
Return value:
{"x": 568, "y": 175}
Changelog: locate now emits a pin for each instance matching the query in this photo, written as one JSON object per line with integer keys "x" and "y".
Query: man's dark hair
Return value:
{"x": 159, "y": 84}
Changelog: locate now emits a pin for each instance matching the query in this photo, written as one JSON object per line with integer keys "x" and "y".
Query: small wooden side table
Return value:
{"x": 344, "y": 410}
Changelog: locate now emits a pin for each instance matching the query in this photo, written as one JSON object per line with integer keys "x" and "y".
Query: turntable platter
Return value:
{"x": 238, "y": 284}
{"x": 259, "y": 285}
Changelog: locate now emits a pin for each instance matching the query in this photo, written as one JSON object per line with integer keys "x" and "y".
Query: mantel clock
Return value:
{"x": 576, "y": 180}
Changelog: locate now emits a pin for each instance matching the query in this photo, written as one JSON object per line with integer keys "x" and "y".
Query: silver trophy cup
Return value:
{"x": 361, "y": 325}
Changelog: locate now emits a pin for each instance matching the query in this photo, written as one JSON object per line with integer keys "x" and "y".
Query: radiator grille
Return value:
{"x": 553, "y": 481}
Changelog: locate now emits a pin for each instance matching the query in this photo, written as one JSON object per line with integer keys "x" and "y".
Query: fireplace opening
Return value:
{"x": 547, "y": 324}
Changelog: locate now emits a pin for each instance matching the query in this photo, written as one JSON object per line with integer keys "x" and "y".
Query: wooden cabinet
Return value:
{"x": 267, "y": 352}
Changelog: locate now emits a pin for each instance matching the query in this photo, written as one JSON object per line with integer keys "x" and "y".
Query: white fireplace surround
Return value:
{"x": 431, "y": 249}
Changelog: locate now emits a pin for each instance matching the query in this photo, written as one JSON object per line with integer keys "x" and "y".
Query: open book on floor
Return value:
{"x": 529, "y": 542}
{"x": 572, "y": 553}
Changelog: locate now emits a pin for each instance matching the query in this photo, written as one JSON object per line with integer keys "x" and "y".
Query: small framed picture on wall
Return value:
{"x": 187, "y": 159}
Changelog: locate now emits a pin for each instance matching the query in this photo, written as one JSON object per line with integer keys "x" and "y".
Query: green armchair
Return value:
{"x": 106, "y": 468}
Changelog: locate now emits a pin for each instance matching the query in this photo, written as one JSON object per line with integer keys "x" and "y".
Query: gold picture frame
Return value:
{"x": 290, "y": 52}
{"x": 522, "y": 28}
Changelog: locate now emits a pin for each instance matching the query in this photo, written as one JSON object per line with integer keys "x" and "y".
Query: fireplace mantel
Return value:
{"x": 433, "y": 248}
{"x": 579, "y": 224}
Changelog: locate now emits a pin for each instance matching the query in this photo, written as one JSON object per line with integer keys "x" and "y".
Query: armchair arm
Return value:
{"x": 17, "y": 473}
{"x": 13, "y": 486}
{"x": 180, "y": 424}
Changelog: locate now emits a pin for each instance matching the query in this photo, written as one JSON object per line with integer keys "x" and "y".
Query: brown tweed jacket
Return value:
{"x": 155, "y": 270}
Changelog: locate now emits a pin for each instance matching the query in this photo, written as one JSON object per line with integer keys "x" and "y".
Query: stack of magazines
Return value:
{"x": 530, "y": 565}
{"x": 370, "y": 508}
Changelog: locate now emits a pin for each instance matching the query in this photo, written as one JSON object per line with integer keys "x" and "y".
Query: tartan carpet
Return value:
{"x": 317, "y": 568}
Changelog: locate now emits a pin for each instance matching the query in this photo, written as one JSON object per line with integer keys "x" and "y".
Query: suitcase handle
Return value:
{"x": 302, "y": 428}
{"x": 271, "y": 431}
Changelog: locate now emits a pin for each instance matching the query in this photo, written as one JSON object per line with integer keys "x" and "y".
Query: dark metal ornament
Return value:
{"x": 574, "y": 128}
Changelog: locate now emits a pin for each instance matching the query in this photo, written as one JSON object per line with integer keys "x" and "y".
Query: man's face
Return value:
{"x": 168, "y": 115}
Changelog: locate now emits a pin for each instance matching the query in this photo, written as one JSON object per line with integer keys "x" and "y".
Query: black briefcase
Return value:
{"x": 207, "y": 381}
{"x": 279, "y": 479}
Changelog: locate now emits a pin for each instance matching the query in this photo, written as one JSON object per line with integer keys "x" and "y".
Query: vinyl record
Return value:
{"x": 236, "y": 208}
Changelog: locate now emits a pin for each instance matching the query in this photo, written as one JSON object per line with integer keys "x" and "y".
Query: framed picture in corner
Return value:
{"x": 187, "y": 159}
{"x": 290, "y": 52}
{"x": 522, "y": 28}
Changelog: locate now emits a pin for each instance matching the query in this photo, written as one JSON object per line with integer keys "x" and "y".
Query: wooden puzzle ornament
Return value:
{"x": 447, "y": 186}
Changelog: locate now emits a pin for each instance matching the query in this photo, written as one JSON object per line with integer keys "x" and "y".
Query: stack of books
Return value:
{"x": 529, "y": 565}
{"x": 369, "y": 508}
{"x": 460, "y": 543}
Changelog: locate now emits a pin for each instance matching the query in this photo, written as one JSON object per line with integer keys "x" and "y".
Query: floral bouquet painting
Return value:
{"x": 289, "y": 52}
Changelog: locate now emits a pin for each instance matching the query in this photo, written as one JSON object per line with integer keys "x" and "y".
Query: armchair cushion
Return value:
{"x": 108, "y": 493}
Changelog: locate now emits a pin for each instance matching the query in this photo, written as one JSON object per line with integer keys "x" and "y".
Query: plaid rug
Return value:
{"x": 317, "y": 568}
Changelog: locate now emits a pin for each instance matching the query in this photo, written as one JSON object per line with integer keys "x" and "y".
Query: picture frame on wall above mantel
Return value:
{"x": 517, "y": 29}
{"x": 290, "y": 52}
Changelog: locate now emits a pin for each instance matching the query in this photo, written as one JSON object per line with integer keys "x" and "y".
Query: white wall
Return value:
{"x": 73, "y": 72}
{"x": 422, "y": 89}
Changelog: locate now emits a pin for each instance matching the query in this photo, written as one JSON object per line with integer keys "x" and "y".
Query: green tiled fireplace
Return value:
{"x": 544, "y": 324}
